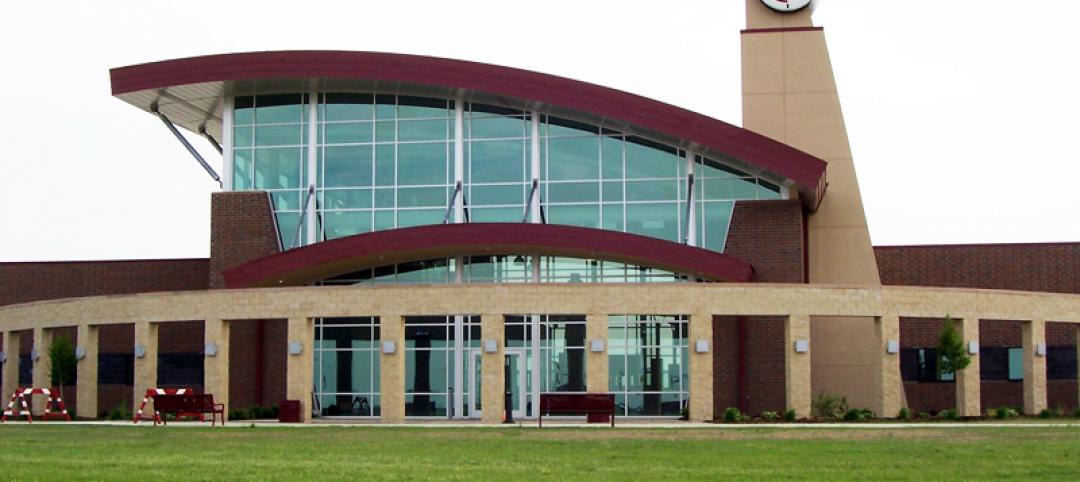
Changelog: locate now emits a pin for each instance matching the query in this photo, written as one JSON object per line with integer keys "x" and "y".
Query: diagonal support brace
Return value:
{"x": 187, "y": 145}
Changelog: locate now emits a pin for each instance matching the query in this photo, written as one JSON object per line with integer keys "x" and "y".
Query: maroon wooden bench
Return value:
{"x": 575, "y": 403}
{"x": 189, "y": 406}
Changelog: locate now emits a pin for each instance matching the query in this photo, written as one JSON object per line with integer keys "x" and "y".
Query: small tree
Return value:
{"x": 61, "y": 362}
{"x": 951, "y": 354}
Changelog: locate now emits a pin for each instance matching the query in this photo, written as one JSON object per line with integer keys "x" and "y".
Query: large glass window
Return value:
{"x": 387, "y": 161}
{"x": 434, "y": 380}
{"x": 648, "y": 364}
{"x": 347, "y": 366}
{"x": 507, "y": 269}
{"x": 562, "y": 353}
{"x": 269, "y": 140}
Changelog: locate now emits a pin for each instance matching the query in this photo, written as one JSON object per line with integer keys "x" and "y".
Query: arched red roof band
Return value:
{"x": 381, "y": 248}
{"x": 808, "y": 172}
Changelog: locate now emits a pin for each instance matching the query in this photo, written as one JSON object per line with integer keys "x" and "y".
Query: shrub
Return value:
{"x": 858, "y": 414}
{"x": 925, "y": 415}
{"x": 119, "y": 413}
{"x": 828, "y": 405}
{"x": 904, "y": 414}
{"x": 239, "y": 414}
{"x": 1077, "y": 413}
{"x": 767, "y": 415}
{"x": 1046, "y": 413}
{"x": 261, "y": 412}
{"x": 790, "y": 415}
{"x": 684, "y": 414}
{"x": 732, "y": 415}
{"x": 950, "y": 414}
{"x": 1002, "y": 413}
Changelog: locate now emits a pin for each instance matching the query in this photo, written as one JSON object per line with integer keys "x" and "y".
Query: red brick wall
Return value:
{"x": 1061, "y": 393}
{"x": 930, "y": 397}
{"x": 241, "y": 229}
{"x": 768, "y": 235}
{"x": 34, "y": 281}
{"x": 1001, "y": 393}
{"x": 748, "y": 364}
{"x": 1052, "y": 267}
{"x": 246, "y": 339}
{"x": 115, "y": 339}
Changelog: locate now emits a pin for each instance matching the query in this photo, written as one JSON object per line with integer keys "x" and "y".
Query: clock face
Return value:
{"x": 787, "y": 5}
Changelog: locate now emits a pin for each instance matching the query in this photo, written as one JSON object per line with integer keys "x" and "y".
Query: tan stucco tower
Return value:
{"x": 789, "y": 94}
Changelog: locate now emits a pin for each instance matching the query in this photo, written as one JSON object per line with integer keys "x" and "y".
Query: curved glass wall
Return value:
{"x": 507, "y": 269}
{"x": 391, "y": 161}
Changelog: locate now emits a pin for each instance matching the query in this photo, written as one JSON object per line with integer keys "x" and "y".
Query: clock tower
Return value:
{"x": 789, "y": 94}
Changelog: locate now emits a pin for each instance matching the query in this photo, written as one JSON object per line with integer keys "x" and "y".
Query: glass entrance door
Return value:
{"x": 516, "y": 383}
{"x": 473, "y": 401}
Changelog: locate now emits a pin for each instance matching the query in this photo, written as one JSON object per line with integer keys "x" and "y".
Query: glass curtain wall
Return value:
{"x": 385, "y": 161}
{"x": 347, "y": 379}
{"x": 562, "y": 353}
{"x": 648, "y": 364}
{"x": 438, "y": 353}
{"x": 507, "y": 269}
{"x": 269, "y": 153}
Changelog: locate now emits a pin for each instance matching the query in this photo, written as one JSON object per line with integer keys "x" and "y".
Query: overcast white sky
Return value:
{"x": 962, "y": 116}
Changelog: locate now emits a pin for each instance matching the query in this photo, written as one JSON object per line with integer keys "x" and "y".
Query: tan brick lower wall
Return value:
{"x": 146, "y": 312}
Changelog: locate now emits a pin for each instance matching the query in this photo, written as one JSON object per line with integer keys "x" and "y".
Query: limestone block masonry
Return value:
{"x": 1034, "y": 335}
{"x": 299, "y": 367}
{"x": 596, "y": 363}
{"x": 797, "y": 373}
{"x": 216, "y": 361}
{"x": 86, "y": 406}
{"x": 968, "y": 395}
{"x": 701, "y": 367}
{"x": 392, "y": 368}
{"x": 492, "y": 371}
{"x": 146, "y": 336}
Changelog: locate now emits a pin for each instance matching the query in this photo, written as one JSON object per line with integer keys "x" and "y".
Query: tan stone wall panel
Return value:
{"x": 1034, "y": 333}
{"x": 86, "y": 403}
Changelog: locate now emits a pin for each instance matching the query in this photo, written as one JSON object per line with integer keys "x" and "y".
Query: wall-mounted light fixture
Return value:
{"x": 892, "y": 347}
{"x": 3, "y": 357}
{"x": 34, "y": 355}
{"x": 140, "y": 351}
{"x": 1040, "y": 349}
{"x": 597, "y": 346}
{"x": 973, "y": 347}
{"x": 802, "y": 346}
{"x": 389, "y": 347}
{"x": 296, "y": 348}
{"x": 701, "y": 346}
{"x": 210, "y": 349}
{"x": 491, "y": 346}
{"x": 80, "y": 353}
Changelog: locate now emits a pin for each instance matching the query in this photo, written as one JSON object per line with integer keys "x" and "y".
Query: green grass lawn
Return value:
{"x": 364, "y": 452}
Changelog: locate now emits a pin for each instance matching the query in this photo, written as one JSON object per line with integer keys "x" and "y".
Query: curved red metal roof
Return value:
{"x": 381, "y": 248}
{"x": 805, "y": 170}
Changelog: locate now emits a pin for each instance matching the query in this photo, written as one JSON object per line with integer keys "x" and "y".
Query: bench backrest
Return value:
{"x": 179, "y": 403}
{"x": 577, "y": 401}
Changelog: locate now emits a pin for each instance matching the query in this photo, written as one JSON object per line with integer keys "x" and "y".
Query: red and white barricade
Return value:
{"x": 153, "y": 392}
{"x": 21, "y": 394}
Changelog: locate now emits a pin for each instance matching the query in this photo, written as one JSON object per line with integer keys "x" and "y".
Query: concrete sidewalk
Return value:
{"x": 574, "y": 424}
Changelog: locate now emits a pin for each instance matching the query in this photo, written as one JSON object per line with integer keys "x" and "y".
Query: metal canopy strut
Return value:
{"x": 689, "y": 206}
{"x": 213, "y": 142}
{"x": 187, "y": 145}
{"x": 534, "y": 194}
{"x": 303, "y": 216}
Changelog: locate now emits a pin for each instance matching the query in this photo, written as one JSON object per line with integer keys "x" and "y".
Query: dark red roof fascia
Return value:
{"x": 807, "y": 171}
{"x": 381, "y": 248}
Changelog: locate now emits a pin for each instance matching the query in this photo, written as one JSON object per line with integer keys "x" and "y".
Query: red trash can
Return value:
{"x": 289, "y": 411}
